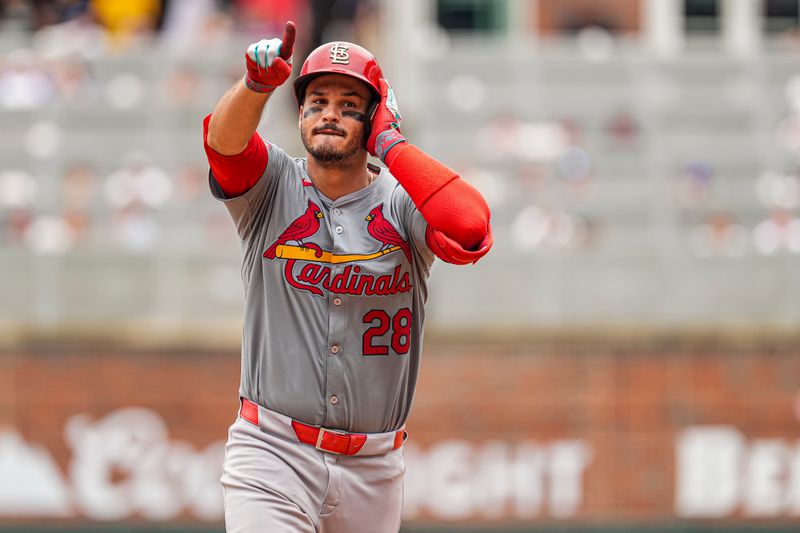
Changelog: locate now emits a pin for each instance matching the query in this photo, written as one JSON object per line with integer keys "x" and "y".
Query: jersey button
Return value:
{"x": 337, "y": 301}
{"x": 334, "y": 400}
{"x": 334, "y": 349}
{"x": 337, "y": 211}
{"x": 339, "y": 229}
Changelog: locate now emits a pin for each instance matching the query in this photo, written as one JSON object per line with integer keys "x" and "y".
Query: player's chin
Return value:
{"x": 331, "y": 139}
{"x": 326, "y": 152}
{"x": 333, "y": 143}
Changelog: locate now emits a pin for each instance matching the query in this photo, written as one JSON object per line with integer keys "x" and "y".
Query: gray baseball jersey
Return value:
{"x": 334, "y": 295}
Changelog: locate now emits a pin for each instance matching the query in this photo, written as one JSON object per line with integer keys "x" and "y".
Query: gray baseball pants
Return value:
{"x": 274, "y": 483}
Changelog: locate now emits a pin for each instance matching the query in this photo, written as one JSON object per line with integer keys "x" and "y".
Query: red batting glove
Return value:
{"x": 385, "y": 131}
{"x": 269, "y": 61}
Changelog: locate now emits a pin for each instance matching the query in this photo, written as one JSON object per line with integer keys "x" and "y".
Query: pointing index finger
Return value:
{"x": 288, "y": 40}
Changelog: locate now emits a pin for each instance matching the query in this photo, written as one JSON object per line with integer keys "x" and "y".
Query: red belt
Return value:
{"x": 328, "y": 440}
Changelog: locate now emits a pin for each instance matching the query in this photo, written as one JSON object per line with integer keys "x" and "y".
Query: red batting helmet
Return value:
{"x": 339, "y": 58}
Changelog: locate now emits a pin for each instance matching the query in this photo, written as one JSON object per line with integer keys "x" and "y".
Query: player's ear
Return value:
{"x": 300, "y": 117}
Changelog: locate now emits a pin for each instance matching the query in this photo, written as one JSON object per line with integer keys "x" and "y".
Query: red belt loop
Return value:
{"x": 249, "y": 411}
{"x": 399, "y": 438}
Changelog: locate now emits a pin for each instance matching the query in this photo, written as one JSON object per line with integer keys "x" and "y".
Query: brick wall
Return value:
{"x": 628, "y": 405}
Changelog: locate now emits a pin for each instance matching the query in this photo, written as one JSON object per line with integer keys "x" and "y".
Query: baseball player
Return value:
{"x": 336, "y": 254}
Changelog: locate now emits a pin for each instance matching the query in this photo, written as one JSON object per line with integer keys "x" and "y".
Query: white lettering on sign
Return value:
{"x": 124, "y": 465}
{"x": 719, "y": 473}
{"x": 31, "y": 483}
{"x": 764, "y": 478}
{"x": 456, "y": 480}
{"x": 706, "y": 470}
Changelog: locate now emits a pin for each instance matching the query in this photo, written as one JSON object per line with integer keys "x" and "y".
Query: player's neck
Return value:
{"x": 342, "y": 179}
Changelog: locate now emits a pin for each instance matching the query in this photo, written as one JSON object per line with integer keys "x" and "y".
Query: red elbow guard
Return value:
{"x": 406, "y": 162}
{"x": 451, "y": 252}
{"x": 236, "y": 174}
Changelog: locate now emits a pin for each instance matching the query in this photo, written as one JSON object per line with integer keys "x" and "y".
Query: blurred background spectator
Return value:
{"x": 139, "y": 182}
{"x": 694, "y": 183}
{"x": 25, "y": 82}
{"x": 128, "y": 23}
{"x": 719, "y": 235}
{"x": 778, "y": 234}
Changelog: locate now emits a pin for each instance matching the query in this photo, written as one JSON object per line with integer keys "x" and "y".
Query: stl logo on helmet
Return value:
{"x": 339, "y": 54}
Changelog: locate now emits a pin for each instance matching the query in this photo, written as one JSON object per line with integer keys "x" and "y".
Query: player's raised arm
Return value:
{"x": 236, "y": 153}
{"x": 457, "y": 215}
{"x": 238, "y": 112}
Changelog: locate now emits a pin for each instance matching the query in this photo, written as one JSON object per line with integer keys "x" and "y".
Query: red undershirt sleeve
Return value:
{"x": 457, "y": 215}
{"x": 236, "y": 174}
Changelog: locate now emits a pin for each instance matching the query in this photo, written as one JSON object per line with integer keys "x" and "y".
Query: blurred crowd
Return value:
{"x": 555, "y": 179}
{"x": 543, "y": 173}
{"x": 137, "y": 208}
{"x": 93, "y": 27}
{"x": 53, "y": 202}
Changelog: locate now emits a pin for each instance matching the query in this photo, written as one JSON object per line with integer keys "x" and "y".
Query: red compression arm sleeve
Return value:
{"x": 449, "y": 204}
{"x": 236, "y": 174}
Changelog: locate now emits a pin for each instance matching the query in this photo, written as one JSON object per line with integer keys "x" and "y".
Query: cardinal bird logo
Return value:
{"x": 303, "y": 227}
{"x": 383, "y": 231}
{"x": 309, "y": 268}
